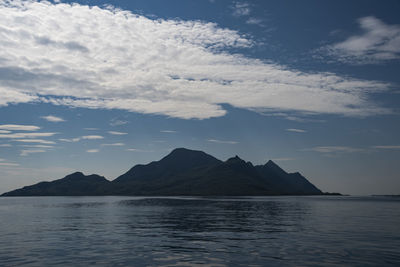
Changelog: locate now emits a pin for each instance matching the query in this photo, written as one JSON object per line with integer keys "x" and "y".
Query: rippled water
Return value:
{"x": 264, "y": 231}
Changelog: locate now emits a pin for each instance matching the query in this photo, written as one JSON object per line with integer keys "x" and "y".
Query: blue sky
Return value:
{"x": 100, "y": 86}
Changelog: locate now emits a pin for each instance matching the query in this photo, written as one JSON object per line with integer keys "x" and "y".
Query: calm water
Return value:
{"x": 265, "y": 231}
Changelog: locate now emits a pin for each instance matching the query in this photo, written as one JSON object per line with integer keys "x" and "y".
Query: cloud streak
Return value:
{"x": 114, "y": 144}
{"x": 106, "y": 58}
{"x": 41, "y": 141}
{"x": 28, "y": 152}
{"x": 116, "y": 133}
{"x": 222, "y": 141}
{"x": 17, "y": 127}
{"x": 335, "y": 149}
{"x": 52, "y": 118}
{"x": 393, "y": 147}
{"x": 296, "y": 130}
{"x": 25, "y": 135}
{"x": 379, "y": 42}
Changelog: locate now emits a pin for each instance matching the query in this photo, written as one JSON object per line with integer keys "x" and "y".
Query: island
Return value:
{"x": 183, "y": 172}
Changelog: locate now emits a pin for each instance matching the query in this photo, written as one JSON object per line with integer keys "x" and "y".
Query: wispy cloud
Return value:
{"x": 41, "y": 141}
{"x": 168, "y": 131}
{"x": 222, "y": 141}
{"x": 28, "y": 152}
{"x": 296, "y": 130}
{"x": 255, "y": 21}
{"x": 85, "y": 137}
{"x": 116, "y": 133}
{"x": 240, "y": 9}
{"x": 393, "y": 147}
{"x": 139, "y": 150}
{"x": 37, "y": 146}
{"x": 335, "y": 149}
{"x": 92, "y": 137}
{"x": 92, "y": 150}
{"x": 191, "y": 78}
{"x": 379, "y": 42}
{"x": 25, "y": 135}
{"x": 116, "y": 122}
{"x": 52, "y": 118}
{"x": 4, "y": 131}
{"x": 77, "y": 139}
{"x": 91, "y": 129}
{"x": 11, "y": 164}
{"x": 5, "y": 145}
{"x": 16, "y": 127}
{"x": 114, "y": 144}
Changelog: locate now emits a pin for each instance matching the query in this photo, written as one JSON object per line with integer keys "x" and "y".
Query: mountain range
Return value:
{"x": 182, "y": 172}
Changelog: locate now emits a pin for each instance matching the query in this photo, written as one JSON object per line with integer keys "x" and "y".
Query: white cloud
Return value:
{"x": 52, "y": 118}
{"x": 255, "y": 21}
{"x": 9, "y": 164}
{"x": 241, "y": 9}
{"x": 168, "y": 131}
{"x": 77, "y": 139}
{"x": 92, "y": 151}
{"x": 25, "y": 135}
{"x": 114, "y": 144}
{"x": 85, "y": 137}
{"x": 91, "y": 129}
{"x": 116, "y": 133}
{"x": 16, "y": 127}
{"x": 394, "y": 147}
{"x": 92, "y": 137}
{"x": 335, "y": 149}
{"x": 4, "y": 131}
{"x": 379, "y": 42}
{"x": 138, "y": 150}
{"x": 27, "y": 152}
{"x": 41, "y": 141}
{"x": 296, "y": 130}
{"x": 5, "y": 145}
{"x": 115, "y": 122}
{"x": 222, "y": 141}
{"x": 37, "y": 146}
{"x": 106, "y": 58}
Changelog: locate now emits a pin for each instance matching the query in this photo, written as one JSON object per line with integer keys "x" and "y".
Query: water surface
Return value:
{"x": 187, "y": 231}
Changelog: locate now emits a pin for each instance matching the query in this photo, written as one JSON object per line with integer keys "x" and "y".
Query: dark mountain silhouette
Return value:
{"x": 182, "y": 172}
{"x": 75, "y": 184}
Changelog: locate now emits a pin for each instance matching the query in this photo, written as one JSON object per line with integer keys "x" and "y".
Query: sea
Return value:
{"x": 200, "y": 231}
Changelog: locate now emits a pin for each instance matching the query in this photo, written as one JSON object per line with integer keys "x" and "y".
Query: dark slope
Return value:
{"x": 286, "y": 183}
{"x": 182, "y": 172}
{"x": 75, "y": 184}
{"x": 189, "y": 172}
{"x": 179, "y": 161}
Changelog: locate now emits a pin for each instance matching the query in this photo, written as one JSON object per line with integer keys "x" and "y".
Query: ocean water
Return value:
{"x": 189, "y": 231}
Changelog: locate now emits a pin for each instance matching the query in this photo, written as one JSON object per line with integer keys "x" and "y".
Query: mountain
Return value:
{"x": 75, "y": 184}
{"x": 286, "y": 183}
{"x": 182, "y": 172}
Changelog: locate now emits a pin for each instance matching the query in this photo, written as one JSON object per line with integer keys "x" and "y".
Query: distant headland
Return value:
{"x": 182, "y": 172}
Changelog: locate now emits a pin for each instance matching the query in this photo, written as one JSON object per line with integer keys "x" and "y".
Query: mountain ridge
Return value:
{"x": 181, "y": 172}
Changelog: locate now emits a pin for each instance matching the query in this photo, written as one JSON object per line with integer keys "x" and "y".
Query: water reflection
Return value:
{"x": 129, "y": 231}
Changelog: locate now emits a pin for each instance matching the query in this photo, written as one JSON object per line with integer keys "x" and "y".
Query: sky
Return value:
{"x": 99, "y": 86}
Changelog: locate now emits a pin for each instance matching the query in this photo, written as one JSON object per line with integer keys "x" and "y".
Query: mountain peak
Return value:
{"x": 234, "y": 159}
{"x": 186, "y": 154}
{"x": 274, "y": 167}
{"x": 182, "y": 150}
{"x": 75, "y": 175}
